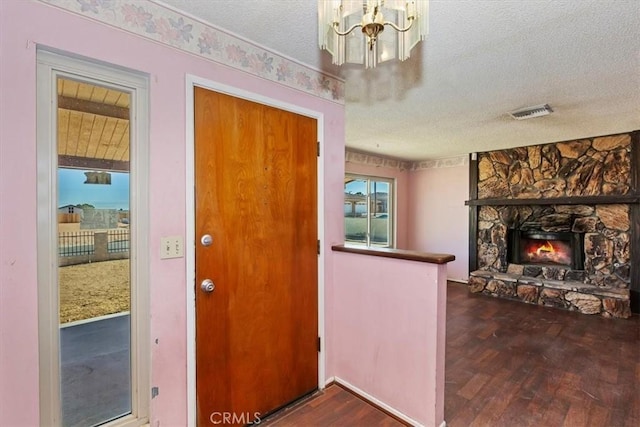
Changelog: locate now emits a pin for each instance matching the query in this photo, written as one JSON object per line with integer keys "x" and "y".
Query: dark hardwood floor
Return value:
{"x": 511, "y": 364}
{"x": 514, "y": 364}
{"x": 334, "y": 406}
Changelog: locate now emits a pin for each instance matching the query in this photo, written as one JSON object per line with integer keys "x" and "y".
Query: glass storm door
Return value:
{"x": 94, "y": 282}
{"x": 92, "y": 250}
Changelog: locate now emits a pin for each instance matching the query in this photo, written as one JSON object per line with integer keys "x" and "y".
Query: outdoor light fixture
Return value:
{"x": 98, "y": 178}
{"x": 338, "y": 18}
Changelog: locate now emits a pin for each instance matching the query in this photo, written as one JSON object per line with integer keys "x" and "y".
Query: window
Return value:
{"x": 92, "y": 253}
{"x": 368, "y": 210}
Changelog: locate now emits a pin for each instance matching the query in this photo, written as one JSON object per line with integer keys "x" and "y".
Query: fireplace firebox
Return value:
{"x": 564, "y": 249}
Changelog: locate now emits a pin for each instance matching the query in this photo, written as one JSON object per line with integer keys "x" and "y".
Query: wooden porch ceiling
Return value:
{"x": 93, "y": 127}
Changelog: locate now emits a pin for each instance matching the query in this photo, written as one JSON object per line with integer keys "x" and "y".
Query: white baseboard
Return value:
{"x": 379, "y": 403}
{"x": 457, "y": 281}
{"x": 329, "y": 381}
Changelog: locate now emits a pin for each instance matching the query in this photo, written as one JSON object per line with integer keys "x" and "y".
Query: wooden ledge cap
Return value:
{"x": 396, "y": 253}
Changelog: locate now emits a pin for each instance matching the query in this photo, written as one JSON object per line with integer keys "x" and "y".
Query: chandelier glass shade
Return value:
{"x": 339, "y": 21}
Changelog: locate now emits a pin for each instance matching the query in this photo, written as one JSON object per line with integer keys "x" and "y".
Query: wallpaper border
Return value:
{"x": 369, "y": 159}
{"x": 157, "y": 22}
{"x": 448, "y": 162}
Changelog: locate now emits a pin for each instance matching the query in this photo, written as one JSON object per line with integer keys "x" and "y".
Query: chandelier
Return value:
{"x": 338, "y": 18}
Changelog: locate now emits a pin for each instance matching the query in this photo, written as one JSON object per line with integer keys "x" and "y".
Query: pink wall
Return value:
{"x": 389, "y": 332}
{"x": 402, "y": 182}
{"x": 437, "y": 216}
{"x": 23, "y": 25}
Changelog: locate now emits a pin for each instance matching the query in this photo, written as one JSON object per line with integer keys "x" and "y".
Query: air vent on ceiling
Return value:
{"x": 531, "y": 112}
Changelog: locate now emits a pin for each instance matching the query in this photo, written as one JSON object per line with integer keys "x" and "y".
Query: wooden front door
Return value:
{"x": 256, "y": 196}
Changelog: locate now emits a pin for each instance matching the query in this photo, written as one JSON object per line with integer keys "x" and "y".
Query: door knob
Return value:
{"x": 207, "y": 285}
{"x": 206, "y": 240}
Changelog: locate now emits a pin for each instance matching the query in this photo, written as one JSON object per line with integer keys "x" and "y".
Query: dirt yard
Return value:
{"x": 94, "y": 289}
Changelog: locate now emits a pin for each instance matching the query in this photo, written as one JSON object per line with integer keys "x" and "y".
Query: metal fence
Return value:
{"x": 76, "y": 243}
{"x": 118, "y": 240}
{"x": 73, "y": 243}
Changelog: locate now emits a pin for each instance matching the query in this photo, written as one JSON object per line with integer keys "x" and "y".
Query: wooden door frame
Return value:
{"x": 191, "y": 82}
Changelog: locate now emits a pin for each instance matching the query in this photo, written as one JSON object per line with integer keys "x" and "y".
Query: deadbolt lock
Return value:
{"x": 207, "y": 285}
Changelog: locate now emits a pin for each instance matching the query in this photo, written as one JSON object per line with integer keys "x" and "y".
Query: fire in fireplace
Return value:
{"x": 547, "y": 248}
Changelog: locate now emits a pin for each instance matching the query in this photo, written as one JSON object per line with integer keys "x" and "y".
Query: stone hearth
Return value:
{"x": 541, "y": 188}
{"x": 566, "y": 294}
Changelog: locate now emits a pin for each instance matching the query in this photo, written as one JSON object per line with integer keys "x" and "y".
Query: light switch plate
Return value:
{"x": 171, "y": 247}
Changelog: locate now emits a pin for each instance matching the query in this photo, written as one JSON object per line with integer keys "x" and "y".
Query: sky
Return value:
{"x": 355, "y": 187}
{"x": 73, "y": 191}
{"x": 360, "y": 186}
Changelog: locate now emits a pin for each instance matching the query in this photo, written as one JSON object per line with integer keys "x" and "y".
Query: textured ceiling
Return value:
{"x": 481, "y": 59}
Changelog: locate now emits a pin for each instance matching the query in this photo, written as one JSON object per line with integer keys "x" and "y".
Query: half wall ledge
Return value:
{"x": 396, "y": 253}
{"x": 387, "y": 327}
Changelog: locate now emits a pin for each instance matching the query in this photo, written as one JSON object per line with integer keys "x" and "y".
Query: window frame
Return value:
{"x": 52, "y": 64}
{"x": 391, "y": 208}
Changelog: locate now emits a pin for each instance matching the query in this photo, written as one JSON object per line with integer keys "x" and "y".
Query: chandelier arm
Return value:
{"x": 344, "y": 33}
{"x": 400, "y": 30}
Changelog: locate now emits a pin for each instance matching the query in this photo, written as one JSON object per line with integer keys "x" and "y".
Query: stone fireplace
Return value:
{"x": 552, "y": 224}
